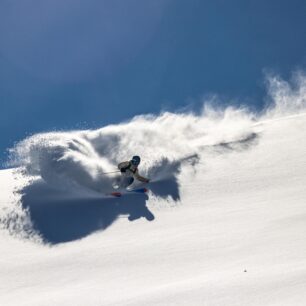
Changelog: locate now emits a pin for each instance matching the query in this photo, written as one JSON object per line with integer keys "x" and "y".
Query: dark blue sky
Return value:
{"x": 87, "y": 63}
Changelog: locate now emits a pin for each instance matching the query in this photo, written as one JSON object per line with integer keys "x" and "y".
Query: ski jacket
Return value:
{"x": 128, "y": 168}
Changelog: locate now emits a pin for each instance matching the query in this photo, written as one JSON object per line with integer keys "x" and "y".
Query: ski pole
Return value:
{"x": 110, "y": 172}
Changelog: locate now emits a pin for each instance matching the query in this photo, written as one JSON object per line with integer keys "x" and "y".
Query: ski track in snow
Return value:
{"x": 223, "y": 224}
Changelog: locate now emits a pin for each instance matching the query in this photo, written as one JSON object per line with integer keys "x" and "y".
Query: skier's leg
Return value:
{"x": 121, "y": 182}
{"x": 118, "y": 182}
{"x": 130, "y": 181}
{"x": 127, "y": 182}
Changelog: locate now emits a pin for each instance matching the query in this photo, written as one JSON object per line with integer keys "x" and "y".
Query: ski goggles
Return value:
{"x": 135, "y": 162}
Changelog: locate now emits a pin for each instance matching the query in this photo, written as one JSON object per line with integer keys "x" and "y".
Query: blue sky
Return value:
{"x": 87, "y": 63}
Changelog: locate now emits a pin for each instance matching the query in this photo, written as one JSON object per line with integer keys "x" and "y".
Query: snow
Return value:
{"x": 229, "y": 207}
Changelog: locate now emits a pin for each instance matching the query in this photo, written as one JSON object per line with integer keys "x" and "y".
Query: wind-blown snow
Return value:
{"x": 223, "y": 224}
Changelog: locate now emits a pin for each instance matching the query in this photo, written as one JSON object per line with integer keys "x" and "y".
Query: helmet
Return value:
{"x": 135, "y": 160}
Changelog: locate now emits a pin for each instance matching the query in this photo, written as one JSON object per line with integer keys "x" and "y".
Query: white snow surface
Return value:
{"x": 224, "y": 222}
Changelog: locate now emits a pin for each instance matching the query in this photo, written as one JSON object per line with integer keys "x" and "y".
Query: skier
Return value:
{"x": 129, "y": 171}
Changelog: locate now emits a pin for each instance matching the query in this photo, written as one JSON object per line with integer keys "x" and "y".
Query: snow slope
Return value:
{"x": 224, "y": 223}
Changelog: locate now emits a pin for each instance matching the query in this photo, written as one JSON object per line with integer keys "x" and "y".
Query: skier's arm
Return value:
{"x": 141, "y": 178}
{"x": 123, "y": 166}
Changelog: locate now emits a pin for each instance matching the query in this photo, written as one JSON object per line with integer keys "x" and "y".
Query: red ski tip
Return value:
{"x": 116, "y": 194}
{"x": 145, "y": 190}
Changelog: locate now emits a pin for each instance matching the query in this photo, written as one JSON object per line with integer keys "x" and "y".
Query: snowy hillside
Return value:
{"x": 223, "y": 223}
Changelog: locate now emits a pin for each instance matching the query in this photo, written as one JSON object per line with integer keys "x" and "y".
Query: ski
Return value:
{"x": 119, "y": 194}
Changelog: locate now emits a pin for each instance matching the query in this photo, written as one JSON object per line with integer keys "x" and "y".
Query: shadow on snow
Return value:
{"x": 61, "y": 216}
{"x": 64, "y": 215}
